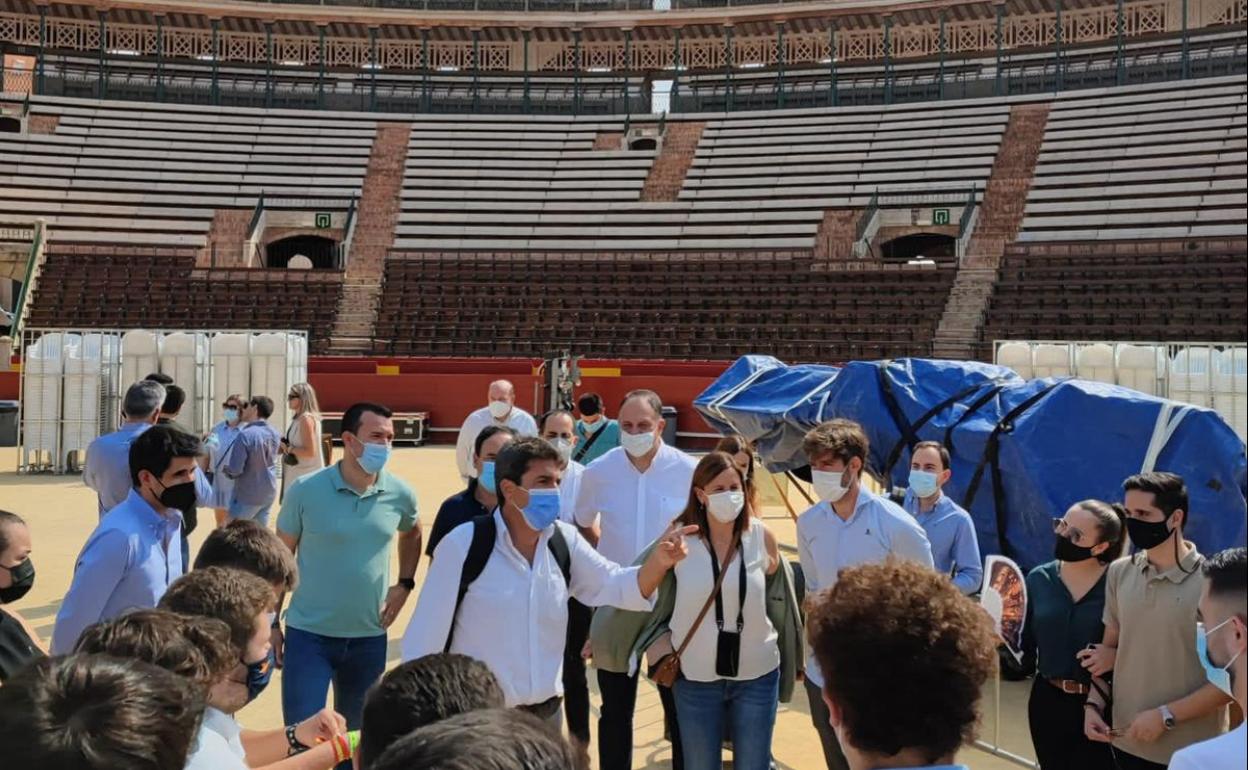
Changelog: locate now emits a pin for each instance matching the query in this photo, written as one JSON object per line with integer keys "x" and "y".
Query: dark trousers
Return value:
{"x": 575, "y": 686}
{"x": 1125, "y": 761}
{"x": 832, "y": 754}
{"x": 615, "y": 725}
{"x": 1056, "y": 720}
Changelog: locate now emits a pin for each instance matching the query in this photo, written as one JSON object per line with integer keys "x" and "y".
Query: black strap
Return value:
{"x": 484, "y": 533}
{"x": 909, "y": 435}
{"x": 583, "y": 449}
{"x": 903, "y": 443}
{"x": 719, "y": 595}
{"x": 971, "y": 409}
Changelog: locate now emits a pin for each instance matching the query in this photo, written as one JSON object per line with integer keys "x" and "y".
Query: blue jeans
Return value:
{"x": 749, "y": 706}
{"x": 259, "y": 513}
{"x": 312, "y": 662}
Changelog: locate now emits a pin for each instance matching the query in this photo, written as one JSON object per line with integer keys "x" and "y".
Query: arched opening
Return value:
{"x": 934, "y": 246}
{"x": 644, "y": 143}
{"x": 320, "y": 250}
{"x": 10, "y": 125}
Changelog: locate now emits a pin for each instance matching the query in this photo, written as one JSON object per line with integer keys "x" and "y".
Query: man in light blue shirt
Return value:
{"x": 108, "y": 457}
{"x": 252, "y": 464}
{"x": 955, "y": 549}
{"x": 596, "y": 435}
{"x": 133, "y": 554}
{"x": 340, "y": 522}
{"x": 850, "y": 526}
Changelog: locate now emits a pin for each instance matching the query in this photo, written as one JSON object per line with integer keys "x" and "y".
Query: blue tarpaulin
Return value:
{"x": 1022, "y": 450}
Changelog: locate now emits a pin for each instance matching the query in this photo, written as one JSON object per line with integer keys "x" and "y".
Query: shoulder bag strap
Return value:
{"x": 710, "y": 600}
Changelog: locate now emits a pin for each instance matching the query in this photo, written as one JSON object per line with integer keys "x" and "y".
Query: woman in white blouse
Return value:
{"x": 730, "y": 668}
{"x": 303, "y": 438}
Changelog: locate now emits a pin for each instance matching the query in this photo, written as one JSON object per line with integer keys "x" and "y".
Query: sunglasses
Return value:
{"x": 1065, "y": 530}
{"x": 231, "y": 405}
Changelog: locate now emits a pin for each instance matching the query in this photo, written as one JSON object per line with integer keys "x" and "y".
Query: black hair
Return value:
{"x": 489, "y": 432}
{"x": 491, "y": 739}
{"x": 1168, "y": 491}
{"x": 163, "y": 379}
{"x": 7, "y": 520}
{"x": 354, "y": 415}
{"x": 97, "y": 712}
{"x": 421, "y": 692}
{"x": 155, "y": 448}
{"x": 513, "y": 462}
{"x": 175, "y": 397}
{"x": 264, "y": 406}
{"x": 589, "y": 404}
{"x": 1227, "y": 572}
{"x": 940, "y": 450}
{"x": 541, "y": 421}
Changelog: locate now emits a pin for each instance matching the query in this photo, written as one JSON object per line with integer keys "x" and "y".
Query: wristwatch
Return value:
{"x": 408, "y": 583}
{"x": 1167, "y": 716}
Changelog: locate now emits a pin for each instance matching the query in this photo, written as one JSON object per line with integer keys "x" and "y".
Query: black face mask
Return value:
{"x": 23, "y": 576}
{"x": 1066, "y": 550}
{"x": 179, "y": 496}
{"x": 1148, "y": 534}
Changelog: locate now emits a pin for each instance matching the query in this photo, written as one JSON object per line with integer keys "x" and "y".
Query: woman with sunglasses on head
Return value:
{"x": 745, "y": 458}
{"x": 301, "y": 447}
{"x": 216, "y": 443}
{"x": 1066, "y": 601}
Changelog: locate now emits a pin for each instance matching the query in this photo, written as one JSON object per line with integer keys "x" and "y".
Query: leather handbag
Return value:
{"x": 667, "y": 670}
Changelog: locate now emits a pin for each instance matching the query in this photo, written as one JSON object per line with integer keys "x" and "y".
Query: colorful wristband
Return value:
{"x": 353, "y": 739}
{"x": 342, "y": 748}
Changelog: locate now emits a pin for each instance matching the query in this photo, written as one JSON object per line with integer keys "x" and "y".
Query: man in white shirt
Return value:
{"x": 851, "y": 526}
{"x": 558, "y": 427}
{"x": 632, "y": 493}
{"x": 1224, "y": 636}
{"x": 502, "y": 410}
{"x": 513, "y": 615}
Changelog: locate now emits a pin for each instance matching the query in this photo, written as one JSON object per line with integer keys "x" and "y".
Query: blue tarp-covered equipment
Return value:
{"x": 1022, "y": 450}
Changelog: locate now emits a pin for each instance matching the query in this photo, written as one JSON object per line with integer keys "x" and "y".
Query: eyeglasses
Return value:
{"x": 289, "y": 396}
{"x": 1065, "y": 530}
{"x": 230, "y": 405}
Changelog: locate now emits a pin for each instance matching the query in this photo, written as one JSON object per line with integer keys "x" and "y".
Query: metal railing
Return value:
{"x": 966, "y": 223}
{"x": 34, "y": 266}
{"x": 343, "y": 250}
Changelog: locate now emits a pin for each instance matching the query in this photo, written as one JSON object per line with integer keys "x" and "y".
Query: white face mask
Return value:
{"x": 828, "y": 485}
{"x": 726, "y": 506}
{"x": 564, "y": 446}
{"x": 499, "y": 409}
{"x": 637, "y": 444}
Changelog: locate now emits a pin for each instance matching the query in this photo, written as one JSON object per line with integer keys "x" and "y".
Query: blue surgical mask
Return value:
{"x": 374, "y": 458}
{"x": 1218, "y": 676}
{"x": 543, "y": 508}
{"x": 486, "y": 477}
{"x": 230, "y": 415}
{"x": 924, "y": 483}
{"x": 259, "y": 674}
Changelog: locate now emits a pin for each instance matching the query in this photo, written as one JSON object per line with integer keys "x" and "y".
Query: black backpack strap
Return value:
{"x": 583, "y": 449}
{"x": 484, "y": 532}
{"x": 558, "y": 546}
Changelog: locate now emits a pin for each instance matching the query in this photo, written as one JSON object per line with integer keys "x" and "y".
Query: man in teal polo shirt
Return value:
{"x": 339, "y": 522}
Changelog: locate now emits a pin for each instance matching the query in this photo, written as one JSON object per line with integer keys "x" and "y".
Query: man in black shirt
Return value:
{"x": 479, "y": 498}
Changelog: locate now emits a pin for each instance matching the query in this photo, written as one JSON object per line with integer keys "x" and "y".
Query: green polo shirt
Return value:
{"x": 344, "y": 550}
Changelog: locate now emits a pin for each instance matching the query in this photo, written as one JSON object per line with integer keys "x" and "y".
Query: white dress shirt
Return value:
{"x": 1228, "y": 751}
{"x": 518, "y": 420}
{"x": 569, "y": 487}
{"x": 514, "y": 617}
{"x": 634, "y": 508}
{"x": 218, "y": 745}
{"x": 877, "y": 529}
{"x": 695, "y": 577}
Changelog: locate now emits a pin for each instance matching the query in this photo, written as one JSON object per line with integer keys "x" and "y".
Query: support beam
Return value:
{"x": 43, "y": 48}
{"x": 780, "y": 64}
{"x": 476, "y": 70}
{"x": 216, "y": 64}
{"x": 425, "y": 103}
{"x": 730, "y": 87}
{"x": 528, "y": 104}
{"x": 943, "y": 44}
{"x": 1185, "y": 53}
{"x": 1120, "y": 59}
{"x": 834, "y": 96}
{"x": 576, "y": 72}
{"x": 372, "y": 69}
{"x": 101, "y": 75}
{"x": 160, "y": 57}
{"x": 888, "y": 59}
{"x": 997, "y": 88}
{"x": 268, "y": 64}
{"x": 671, "y": 102}
{"x": 320, "y": 67}
{"x": 626, "y": 68}
{"x": 1059, "y": 57}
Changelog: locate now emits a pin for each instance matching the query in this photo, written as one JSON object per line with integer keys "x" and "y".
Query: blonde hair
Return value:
{"x": 307, "y": 399}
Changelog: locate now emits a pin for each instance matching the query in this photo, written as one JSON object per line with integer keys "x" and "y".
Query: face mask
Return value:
{"x": 1218, "y": 676}
{"x": 231, "y": 415}
{"x": 374, "y": 458}
{"x": 564, "y": 447}
{"x": 924, "y": 483}
{"x": 828, "y": 485}
{"x": 258, "y": 676}
{"x": 543, "y": 508}
{"x": 179, "y": 496}
{"x": 486, "y": 477}
{"x": 499, "y": 409}
{"x": 1066, "y": 550}
{"x": 23, "y": 576}
{"x": 637, "y": 444}
{"x": 725, "y": 506}
{"x": 591, "y": 427}
{"x": 1147, "y": 534}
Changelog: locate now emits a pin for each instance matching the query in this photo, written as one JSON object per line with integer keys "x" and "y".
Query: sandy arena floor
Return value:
{"x": 61, "y": 512}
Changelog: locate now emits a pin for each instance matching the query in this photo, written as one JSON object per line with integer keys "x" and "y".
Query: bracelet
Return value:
{"x": 296, "y": 746}
{"x": 342, "y": 748}
{"x": 353, "y": 738}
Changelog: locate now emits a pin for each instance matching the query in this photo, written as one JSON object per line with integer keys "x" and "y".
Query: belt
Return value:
{"x": 544, "y": 710}
{"x": 1070, "y": 686}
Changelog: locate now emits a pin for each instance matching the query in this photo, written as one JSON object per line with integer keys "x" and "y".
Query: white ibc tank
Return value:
{"x": 271, "y": 374}
{"x": 41, "y": 391}
{"x": 1230, "y": 385}
{"x": 84, "y": 393}
{"x": 1189, "y": 376}
{"x": 1095, "y": 362}
{"x": 1141, "y": 367}
{"x": 1051, "y": 361}
{"x": 140, "y": 356}
{"x": 231, "y": 369}
{"x": 1017, "y": 356}
{"x": 183, "y": 357}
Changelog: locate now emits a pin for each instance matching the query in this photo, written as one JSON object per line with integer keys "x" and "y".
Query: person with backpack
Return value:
{"x": 497, "y": 589}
